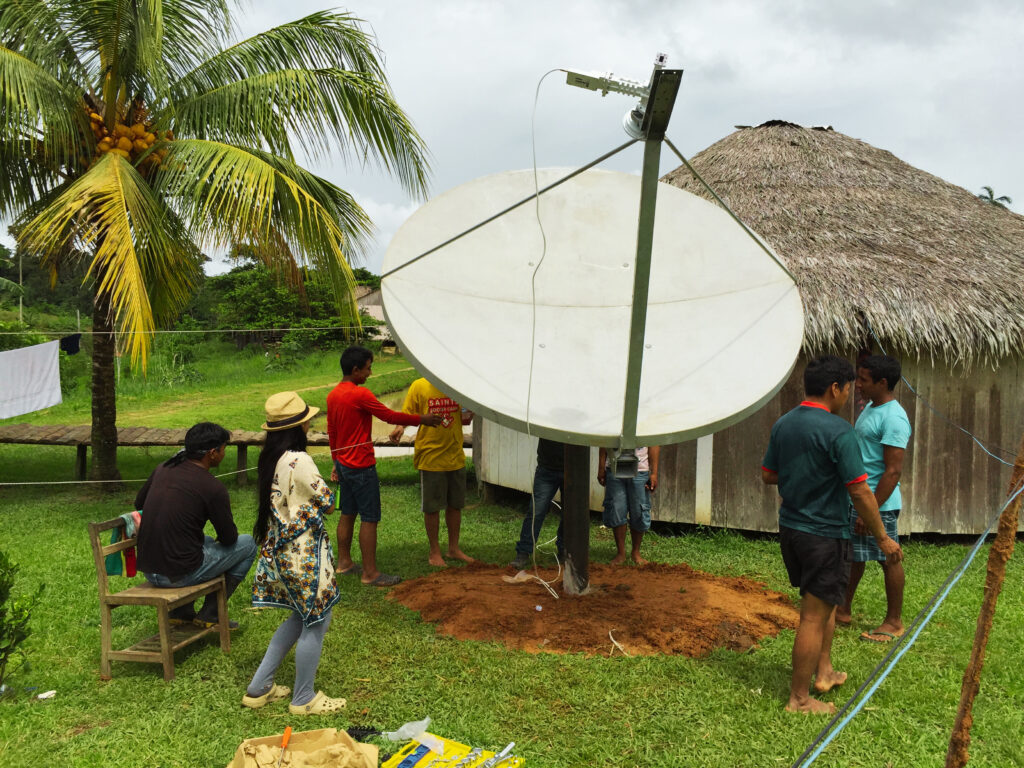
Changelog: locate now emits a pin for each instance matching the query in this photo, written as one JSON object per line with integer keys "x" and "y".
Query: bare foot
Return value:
{"x": 825, "y": 683}
{"x": 619, "y": 559}
{"x": 458, "y": 554}
{"x": 810, "y": 706}
{"x": 639, "y": 560}
{"x": 437, "y": 561}
{"x": 844, "y": 618}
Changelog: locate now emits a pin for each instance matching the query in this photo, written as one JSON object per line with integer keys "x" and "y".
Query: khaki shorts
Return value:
{"x": 442, "y": 490}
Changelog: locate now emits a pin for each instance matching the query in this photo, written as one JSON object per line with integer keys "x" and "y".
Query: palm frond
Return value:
{"x": 325, "y": 109}
{"x": 10, "y": 288}
{"x": 39, "y": 108}
{"x": 135, "y": 241}
{"x": 24, "y": 176}
{"x": 38, "y": 32}
{"x": 318, "y": 41}
{"x": 231, "y": 195}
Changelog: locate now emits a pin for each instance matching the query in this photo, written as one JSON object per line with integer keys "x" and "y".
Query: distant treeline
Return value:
{"x": 249, "y": 296}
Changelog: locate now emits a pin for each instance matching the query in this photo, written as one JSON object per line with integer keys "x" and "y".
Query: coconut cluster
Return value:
{"x": 129, "y": 141}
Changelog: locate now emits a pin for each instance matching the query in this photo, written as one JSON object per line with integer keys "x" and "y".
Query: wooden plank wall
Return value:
{"x": 505, "y": 457}
{"x": 955, "y": 487}
{"x": 949, "y": 485}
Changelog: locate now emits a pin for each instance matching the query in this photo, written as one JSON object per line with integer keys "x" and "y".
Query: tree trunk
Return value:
{"x": 104, "y": 393}
{"x": 998, "y": 556}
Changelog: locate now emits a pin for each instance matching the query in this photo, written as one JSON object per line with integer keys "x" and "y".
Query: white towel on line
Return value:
{"x": 29, "y": 379}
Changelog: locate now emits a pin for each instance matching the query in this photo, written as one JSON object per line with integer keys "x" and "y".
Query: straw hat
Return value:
{"x": 285, "y": 410}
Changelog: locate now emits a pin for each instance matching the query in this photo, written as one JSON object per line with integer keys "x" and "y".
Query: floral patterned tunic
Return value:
{"x": 295, "y": 569}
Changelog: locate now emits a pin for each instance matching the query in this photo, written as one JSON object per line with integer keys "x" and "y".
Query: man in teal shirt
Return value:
{"x": 814, "y": 458}
{"x": 883, "y": 431}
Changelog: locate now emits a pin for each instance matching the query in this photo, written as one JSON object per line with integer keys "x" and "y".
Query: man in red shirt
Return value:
{"x": 350, "y": 411}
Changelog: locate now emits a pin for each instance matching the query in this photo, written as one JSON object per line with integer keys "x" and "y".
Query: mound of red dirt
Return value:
{"x": 650, "y": 609}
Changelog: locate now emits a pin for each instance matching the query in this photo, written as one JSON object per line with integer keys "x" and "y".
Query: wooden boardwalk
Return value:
{"x": 80, "y": 437}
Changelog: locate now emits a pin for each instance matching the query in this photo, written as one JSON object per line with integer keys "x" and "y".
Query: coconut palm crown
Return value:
{"x": 136, "y": 134}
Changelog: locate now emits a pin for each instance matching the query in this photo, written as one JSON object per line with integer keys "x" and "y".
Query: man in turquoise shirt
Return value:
{"x": 883, "y": 431}
{"x": 814, "y": 458}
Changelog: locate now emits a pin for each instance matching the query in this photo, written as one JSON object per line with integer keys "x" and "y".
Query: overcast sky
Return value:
{"x": 936, "y": 83}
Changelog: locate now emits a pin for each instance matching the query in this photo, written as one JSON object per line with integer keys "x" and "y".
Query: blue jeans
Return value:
{"x": 234, "y": 562}
{"x": 359, "y": 492}
{"x": 546, "y": 483}
{"x": 627, "y": 499}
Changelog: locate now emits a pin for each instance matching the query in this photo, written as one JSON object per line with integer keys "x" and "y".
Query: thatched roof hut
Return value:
{"x": 938, "y": 274}
{"x": 932, "y": 268}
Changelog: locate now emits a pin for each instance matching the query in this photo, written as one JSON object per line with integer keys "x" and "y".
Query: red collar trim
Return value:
{"x": 809, "y": 404}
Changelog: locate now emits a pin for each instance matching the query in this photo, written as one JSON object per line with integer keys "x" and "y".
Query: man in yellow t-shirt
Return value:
{"x": 439, "y": 457}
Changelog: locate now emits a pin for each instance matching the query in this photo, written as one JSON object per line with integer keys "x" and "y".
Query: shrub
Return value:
{"x": 15, "y": 613}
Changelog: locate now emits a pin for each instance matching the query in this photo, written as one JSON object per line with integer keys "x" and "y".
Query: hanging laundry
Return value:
{"x": 71, "y": 344}
{"x": 29, "y": 379}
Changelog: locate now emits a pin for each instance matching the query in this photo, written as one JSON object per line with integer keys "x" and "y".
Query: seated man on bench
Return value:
{"x": 176, "y": 501}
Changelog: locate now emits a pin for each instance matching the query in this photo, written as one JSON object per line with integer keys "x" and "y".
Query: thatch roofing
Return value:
{"x": 934, "y": 270}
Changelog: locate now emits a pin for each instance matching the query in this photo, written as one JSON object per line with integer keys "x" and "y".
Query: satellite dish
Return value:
{"x": 548, "y": 352}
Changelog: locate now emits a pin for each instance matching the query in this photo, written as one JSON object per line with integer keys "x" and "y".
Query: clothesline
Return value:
{"x": 187, "y": 330}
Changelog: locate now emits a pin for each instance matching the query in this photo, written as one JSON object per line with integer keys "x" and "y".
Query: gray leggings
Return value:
{"x": 308, "y": 642}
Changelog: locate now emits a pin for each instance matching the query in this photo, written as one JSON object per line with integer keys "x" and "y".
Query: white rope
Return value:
{"x": 616, "y": 644}
{"x": 183, "y": 330}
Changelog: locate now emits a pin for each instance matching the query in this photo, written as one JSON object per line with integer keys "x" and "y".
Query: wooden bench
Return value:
{"x": 81, "y": 437}
{"x": 160, "y": 647}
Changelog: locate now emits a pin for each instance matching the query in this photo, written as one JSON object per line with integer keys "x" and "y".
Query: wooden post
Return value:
{"x": 81, "y": 461}
{"x": 998, "y": 556}
{"x": 576, "y": 519}
{"x": 243, "y": 464}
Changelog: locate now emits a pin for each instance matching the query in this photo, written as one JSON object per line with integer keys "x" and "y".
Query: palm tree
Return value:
{"x": 990, "y": 197}
{"x": 137, "y": 133}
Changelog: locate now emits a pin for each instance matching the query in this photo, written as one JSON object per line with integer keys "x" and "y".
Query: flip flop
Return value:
{"x": 276, "y": 692}
{"x": 384, "y": 580}
{"x": 355, "y": 570}
{"x": 867, "y": 636}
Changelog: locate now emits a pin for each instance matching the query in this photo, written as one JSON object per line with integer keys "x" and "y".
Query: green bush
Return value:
{"x": 25, "y": 337}
{"x": 15, "y": 613}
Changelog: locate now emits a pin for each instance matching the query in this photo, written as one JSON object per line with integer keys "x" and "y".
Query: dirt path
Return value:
{"x": 653, "y": 609}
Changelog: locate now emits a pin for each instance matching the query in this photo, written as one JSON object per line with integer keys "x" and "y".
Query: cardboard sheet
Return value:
{"x": 324, "y": 748}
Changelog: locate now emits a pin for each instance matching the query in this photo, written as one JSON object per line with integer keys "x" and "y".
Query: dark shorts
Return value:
{"x": 817, "y": 564}
{"x": 442, "y": 490}
{"x": 359, "y": 492}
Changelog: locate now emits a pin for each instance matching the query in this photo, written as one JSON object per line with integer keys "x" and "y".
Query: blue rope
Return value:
{"x": 827, "y": 735}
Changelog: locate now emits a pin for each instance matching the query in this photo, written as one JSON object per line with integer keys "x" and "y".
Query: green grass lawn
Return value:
{"x": 561, "y": 710}
{"x": 223, "y": 385}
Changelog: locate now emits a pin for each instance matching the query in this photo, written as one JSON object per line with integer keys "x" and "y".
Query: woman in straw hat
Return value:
{"x": 295, "y": 569}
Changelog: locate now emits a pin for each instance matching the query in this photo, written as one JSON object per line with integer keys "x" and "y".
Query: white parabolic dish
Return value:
{"x": 724, "y": 321}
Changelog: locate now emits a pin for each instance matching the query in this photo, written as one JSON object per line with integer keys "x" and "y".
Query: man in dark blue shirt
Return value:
{"x": 814, "y": 458}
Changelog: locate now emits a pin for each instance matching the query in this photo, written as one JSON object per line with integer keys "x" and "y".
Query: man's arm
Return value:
{"x": 140, "y": 497}
{"x": 467, "y": 417}
{"x": 218, "y": 510}
{"x": 375, "y": 407}
{"x": 769, "y": 477}
{"x": 653, "y": 456}
{"x": 602, "y": 457}
{"x": 867, "y": 510}
{"x": 893, "y": 458}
